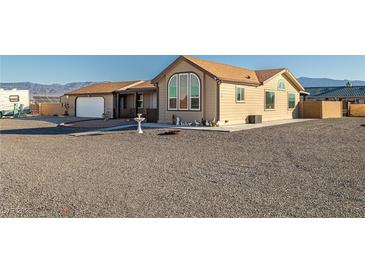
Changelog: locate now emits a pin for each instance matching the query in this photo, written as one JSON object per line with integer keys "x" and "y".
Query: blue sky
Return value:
{"x": 64, "y": 69}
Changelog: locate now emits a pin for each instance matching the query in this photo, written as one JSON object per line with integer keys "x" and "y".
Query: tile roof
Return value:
{"x": 101, "y": 88}
{"x": 327, "y": 92}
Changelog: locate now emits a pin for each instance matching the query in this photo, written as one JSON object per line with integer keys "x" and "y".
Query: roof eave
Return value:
{"x": 182, "y": 57}
{"x": 295, "y": 81}
{"x": 90, "y": 93}
{"x": 233, "y": 81}
{"x": 292, "y": 77}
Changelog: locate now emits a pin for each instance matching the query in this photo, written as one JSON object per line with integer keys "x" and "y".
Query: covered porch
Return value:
{"x": 137, "y": 100}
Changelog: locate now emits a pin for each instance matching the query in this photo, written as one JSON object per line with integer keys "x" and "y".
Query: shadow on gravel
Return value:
{"x": 54, "y": 119}
{"x": 44, "y": 131}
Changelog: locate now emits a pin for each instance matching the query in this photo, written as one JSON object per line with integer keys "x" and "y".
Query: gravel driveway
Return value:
{"x": 308, "y": 169}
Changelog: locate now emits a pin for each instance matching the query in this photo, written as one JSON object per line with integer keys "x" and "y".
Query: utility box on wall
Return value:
{"x": 254, "y": 119}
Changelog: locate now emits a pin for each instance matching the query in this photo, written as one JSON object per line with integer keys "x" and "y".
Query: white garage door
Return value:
{"x": 90, "y": 107}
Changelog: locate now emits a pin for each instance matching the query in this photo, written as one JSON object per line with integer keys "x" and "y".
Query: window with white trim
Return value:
{"x": 139, "y": 100}
{"x": 240, "y": 94}
{"x": 194, "y": 92}
{"x": 172, "y": 93}
{"x": 184, "y": 92}
{"x": 269, "y": 100}
{"x": 281, "y": 84}
{"x": 291, "y": 100}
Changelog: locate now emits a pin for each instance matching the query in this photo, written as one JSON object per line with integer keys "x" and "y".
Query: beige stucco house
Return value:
{"x": 196, "y": 89}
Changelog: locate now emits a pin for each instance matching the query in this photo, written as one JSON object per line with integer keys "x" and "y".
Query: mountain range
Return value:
{"x": 45, "y": 89}
{"x": 326, "y": 82}
{"x": 60, "y": 89}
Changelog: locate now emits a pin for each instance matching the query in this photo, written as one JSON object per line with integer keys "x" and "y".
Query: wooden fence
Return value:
{"x": 51, "y": 109}
{"x": 34, "y": 109}
{"x": 320, "y": 109}
{"x": 357, "y": 110}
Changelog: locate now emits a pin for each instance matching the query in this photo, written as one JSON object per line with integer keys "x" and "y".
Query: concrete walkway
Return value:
{"x": 230, "y": 128}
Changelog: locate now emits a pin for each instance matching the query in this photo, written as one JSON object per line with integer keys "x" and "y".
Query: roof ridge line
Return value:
{"x": 137, "y": 82}
{"x": 204, "y": 60}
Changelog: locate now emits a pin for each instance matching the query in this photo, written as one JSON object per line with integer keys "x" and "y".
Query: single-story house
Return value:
{"x": 195, "y": 89}
{"x": 115, "y": 99}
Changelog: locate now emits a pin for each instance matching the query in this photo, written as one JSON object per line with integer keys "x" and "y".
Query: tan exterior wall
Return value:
{"x": 50, "y": 109}
{"x": 108, "y": 103}
{"x": 208, "y": 96}
{"x": 357, "y": 110}
{"x": 320, "y": 109}
{"x": 210, "y": 99}
{"x": 232, "y": 112}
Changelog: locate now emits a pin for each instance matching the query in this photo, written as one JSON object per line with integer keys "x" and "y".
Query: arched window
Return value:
{"x": 172, "y": 92}
{"x": 194, "y": 92}
{"x": 184, "y": 92}
{"x": 281, "y": 84}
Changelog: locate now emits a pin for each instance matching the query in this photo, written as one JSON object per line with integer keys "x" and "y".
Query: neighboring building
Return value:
{"x": 347, "y": 95}
{"x": 44, "y": 99}
{"x": 12, "y": 100}
{"x": 117, "y": 99}
{"x": 354, "y": 94}
{"x": 196, "y": 89}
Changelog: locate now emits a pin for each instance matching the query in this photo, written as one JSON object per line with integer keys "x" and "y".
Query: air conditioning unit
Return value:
{"x": 254, "y": 119}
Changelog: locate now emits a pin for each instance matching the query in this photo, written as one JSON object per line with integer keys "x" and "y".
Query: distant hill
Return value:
{"x": 43, "y": 89}
{"x": 58, "y": 89}
{"x": 326, "y": 82}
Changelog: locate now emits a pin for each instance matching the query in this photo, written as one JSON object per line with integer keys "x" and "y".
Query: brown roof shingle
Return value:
{"x": 143, "y": 85}
{"x": 102, "y": 88}
{"x": 263, "y": 75}
{"x": 228, "y": 73}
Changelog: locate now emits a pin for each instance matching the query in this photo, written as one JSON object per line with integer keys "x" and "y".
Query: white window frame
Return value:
{"x": 295, "y": 98}
{"x": 187, "y": 90}
{"x": 269, "y": 109}
{"x": 189, "y": 75}
{"x": 177, "y": 93}
{"x": 244, "y": 94}
{"x": 281, "y": 81}
{"x": 191, "y": 97}
{"x": 141, "y": 96}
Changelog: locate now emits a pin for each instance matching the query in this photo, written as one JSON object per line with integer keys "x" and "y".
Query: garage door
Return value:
{"x": 90, "y": 107}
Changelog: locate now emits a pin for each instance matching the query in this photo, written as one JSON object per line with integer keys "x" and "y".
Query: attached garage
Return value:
{"x": 90, "y": 107}
{"x": 96, "y": 99}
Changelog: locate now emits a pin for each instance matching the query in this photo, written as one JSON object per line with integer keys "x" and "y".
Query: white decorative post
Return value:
{"x": 139, "y": 120}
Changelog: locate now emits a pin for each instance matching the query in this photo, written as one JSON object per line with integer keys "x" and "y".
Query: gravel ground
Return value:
{"x": 309, "y": 169}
